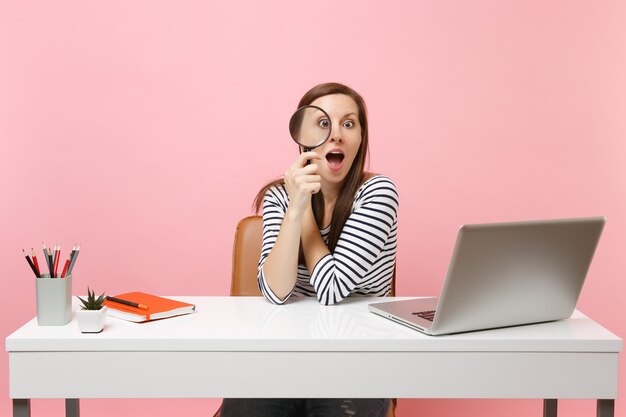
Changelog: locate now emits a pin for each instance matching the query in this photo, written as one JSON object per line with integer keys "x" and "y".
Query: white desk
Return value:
{"x": 240, "y": 347}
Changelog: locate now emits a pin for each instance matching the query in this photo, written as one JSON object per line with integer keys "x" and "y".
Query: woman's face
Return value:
{"x": 340, "y": 149}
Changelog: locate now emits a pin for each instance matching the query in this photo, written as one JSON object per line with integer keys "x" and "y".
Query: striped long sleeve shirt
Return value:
{"x": 364, "y": 258}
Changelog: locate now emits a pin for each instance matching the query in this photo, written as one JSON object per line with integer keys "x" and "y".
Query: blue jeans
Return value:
{"x": 314, "y": 407}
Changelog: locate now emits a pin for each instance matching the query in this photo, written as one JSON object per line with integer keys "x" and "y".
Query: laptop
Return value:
{"x": 505, "y": 274}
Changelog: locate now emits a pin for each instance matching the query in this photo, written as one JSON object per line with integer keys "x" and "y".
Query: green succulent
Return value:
{"x": 92, "y": 303}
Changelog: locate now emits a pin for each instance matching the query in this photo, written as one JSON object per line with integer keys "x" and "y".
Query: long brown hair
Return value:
{"x": 356, "y": 175}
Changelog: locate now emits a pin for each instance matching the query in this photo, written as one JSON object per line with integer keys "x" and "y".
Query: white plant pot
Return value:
{"x": 91, "y": 321}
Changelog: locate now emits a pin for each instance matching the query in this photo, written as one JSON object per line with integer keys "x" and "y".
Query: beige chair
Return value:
{"x": 246, "y": 254}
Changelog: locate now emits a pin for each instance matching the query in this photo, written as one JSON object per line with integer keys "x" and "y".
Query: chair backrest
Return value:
{"x": 246, "y": 254}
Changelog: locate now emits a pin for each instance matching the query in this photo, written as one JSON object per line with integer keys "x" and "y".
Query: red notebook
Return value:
{"x": 158, "y": 307}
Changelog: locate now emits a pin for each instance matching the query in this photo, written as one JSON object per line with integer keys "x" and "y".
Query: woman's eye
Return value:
{"x": 324, "y": 123}
{"x": 348, "y": 123}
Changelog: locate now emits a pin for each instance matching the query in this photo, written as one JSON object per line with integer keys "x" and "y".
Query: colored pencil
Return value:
{"x": 32, "y": 266}
{"x": 57, "y": 255}
{"x": 67, "y": 264}
{"x": 46, "y": 257}
{"x": 73, "y": 261}
{"x": 51, "y": 262}
{"x": 73, "y": 252}
{"x": 32, "y": 255}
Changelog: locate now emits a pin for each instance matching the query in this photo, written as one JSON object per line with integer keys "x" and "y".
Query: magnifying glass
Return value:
{"x": 310, "y": 127}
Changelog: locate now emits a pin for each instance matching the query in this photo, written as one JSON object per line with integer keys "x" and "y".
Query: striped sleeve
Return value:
{"x": 274, "y": 209}
{"x": 363, "y": 243}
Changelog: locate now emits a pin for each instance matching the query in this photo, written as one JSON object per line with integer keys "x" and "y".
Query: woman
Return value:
{"x": 329, "y": 230}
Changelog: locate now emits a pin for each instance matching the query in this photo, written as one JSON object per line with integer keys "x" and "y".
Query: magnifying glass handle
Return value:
{"x": 308, "y": 161}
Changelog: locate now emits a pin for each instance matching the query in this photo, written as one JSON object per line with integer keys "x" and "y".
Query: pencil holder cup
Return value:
{"x": 54, "y": 300}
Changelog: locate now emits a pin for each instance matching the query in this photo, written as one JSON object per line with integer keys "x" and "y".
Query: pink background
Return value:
{"x": 143, "y": 130}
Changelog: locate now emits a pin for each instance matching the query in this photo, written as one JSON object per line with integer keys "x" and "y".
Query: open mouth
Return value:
{"x": 335, "y": 159}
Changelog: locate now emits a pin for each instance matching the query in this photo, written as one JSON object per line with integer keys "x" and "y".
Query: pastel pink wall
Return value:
{"x": 143, "y": 129}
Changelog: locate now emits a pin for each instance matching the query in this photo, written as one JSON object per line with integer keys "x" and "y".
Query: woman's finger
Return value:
{"x": 306, "y": 156}
{"x": 307, "y": 170}
{"x": 310, "y": 178}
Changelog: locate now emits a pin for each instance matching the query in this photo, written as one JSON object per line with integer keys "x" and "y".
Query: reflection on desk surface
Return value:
{"x": 252, "y": 323}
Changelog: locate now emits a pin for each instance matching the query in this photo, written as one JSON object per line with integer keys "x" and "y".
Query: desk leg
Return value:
{"x": 72, "y": 407}
{"x": 21, "y": 407}
{"x": 606, "y": 408}
{"x": 549, "y": 408}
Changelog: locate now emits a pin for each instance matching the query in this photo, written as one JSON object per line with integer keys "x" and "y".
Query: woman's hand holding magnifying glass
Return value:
{"x": 302, "y": 181}
{"x": 309, "y": 127}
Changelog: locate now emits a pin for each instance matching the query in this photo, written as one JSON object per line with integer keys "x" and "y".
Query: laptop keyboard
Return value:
{"x": 428, "y": 315}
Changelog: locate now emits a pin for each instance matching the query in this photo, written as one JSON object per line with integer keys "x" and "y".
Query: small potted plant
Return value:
{"x": 92, "y": 314}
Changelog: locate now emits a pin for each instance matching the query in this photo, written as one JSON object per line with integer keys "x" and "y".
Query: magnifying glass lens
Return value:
{"x": 310, "y": 127}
